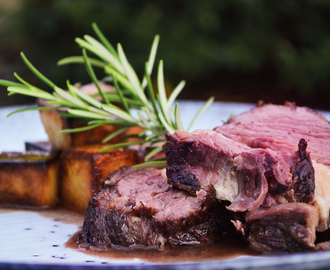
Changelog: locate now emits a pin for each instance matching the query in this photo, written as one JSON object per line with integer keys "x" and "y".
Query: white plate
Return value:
{"x": 35, "y": 239}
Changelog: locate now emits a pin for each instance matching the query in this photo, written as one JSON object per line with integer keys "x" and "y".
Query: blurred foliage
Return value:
{"x": 238, "y": 50}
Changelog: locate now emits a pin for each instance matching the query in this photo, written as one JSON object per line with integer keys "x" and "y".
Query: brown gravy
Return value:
{"x": 226, "y": 249}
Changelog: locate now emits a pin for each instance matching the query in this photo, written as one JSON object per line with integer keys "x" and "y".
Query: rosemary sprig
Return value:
{"x": 134, "y": 103}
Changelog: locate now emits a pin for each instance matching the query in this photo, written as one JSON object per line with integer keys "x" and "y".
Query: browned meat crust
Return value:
{"x": 284, "y": 227}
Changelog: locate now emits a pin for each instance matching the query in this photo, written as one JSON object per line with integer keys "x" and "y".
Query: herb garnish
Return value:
{"x": 140, "y": 105}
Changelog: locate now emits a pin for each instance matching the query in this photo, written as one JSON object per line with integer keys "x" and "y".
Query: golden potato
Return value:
{"x": 53, "y": 122}
{"x": 29, "y": 179}
{"x": 83, "y": 168}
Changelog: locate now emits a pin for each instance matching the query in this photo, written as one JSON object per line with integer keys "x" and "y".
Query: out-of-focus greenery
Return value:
{"x": 239, "y": 50}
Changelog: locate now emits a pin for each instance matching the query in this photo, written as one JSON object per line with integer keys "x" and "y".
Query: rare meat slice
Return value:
{"x": 247, "y": 177}
{"x": 138, "y": 208}
{"x": 284, "y": 227}
{"x": 280, "y": 128}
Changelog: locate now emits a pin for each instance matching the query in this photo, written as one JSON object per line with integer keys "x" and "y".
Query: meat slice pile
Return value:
{"x": 264, "y": 174}
{"x": 139, "y": 209}
{"x": 271, "y": 163}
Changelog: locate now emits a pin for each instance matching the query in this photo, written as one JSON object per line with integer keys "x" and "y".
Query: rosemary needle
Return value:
{"x": 154, "y": 111}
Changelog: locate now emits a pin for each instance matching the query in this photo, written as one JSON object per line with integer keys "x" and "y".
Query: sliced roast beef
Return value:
{"x": 280, "y": 128}
{"x": 258, "y": 172}
{"x": 245, "y": 176}
{"x": 138, "y": 208}
{"x": 284, "y": 227}
{"x": 273, "y": 186}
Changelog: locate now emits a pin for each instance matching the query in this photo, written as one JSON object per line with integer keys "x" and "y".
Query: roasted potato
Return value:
{"x": 53, "y": 122}
{"x": 83, "y": 168}
{"x": 29, "y": 180}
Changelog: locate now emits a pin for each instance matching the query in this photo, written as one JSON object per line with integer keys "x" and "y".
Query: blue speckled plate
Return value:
{"x": 36, "y": 240}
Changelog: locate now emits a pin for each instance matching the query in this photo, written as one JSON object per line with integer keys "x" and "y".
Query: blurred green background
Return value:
{"x": 235, "y": 50}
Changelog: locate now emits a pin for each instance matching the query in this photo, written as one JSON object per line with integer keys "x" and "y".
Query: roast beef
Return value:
{"x": 280, "y": 128}
{"x": 265, "y": 173}
{"x": 138, "y": 208}
{"x": 247, "y": 177}
{"x": 271, "y": 163}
